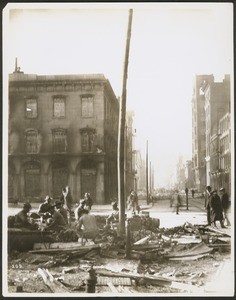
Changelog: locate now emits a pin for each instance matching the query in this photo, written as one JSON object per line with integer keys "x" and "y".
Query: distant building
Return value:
{"x": 217, "y": 106}
{"x": 199, "y": 132}
{"x": 63, "y": 130}
{"x": 189, "y": 183}
{"x": 129, "y": 157}
{"x": 141, "y": 185}
{"x": 180, "y": 174}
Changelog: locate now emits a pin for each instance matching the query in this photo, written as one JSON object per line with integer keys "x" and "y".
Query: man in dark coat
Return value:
{"x": 22, "y": 218}
{"x": 207, "y": 204}
{"x": 216, "y": 209}
{"x": 88, "y": 201}
{"x": 43, "y": 208}
{"x": 56, "y": 222}
{"x": 225, "y": 205}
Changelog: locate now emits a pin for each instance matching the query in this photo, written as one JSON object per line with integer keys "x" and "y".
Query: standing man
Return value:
{"x": 88, "y": 201}
{"x": 207, "y": 204}
{"x": 193, "y": 192}
{"x": 133, "y": 202}
{"x": 186, "y": 193}
{"x": 177, "y": 202}
{"x": 225, "y": 205}
{"x": 67, "y": 201}
{"x": 216, "y": 209}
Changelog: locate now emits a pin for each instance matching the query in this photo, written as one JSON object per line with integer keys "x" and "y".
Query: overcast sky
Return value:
{"x": 170, "y": 44}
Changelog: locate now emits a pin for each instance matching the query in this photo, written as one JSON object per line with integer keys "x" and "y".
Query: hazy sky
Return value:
{"x": 170, "y": 44}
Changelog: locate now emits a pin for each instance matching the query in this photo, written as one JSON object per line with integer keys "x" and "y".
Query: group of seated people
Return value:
{"x": 54, "y": 216}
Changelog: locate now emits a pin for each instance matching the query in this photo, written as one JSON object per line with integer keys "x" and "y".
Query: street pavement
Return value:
{"x": 160, "y": 209}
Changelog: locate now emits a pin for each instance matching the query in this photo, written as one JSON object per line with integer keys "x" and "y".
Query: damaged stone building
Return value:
{"x": 63, "y": 130}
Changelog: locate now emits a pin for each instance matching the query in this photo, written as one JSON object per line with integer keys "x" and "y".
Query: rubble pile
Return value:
{"x": 160, "y": 260}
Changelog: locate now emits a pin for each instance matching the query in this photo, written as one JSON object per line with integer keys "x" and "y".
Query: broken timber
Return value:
{"x": 152, "y": 280}
{"x": 54, "y": 285}
{"x": 66, "y": 250}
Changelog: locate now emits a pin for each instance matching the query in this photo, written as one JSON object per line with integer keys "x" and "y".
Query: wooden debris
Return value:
{"x": 116, "y": 281}
{"x": 111, "y": 286}
{"x": 154, "y": 280}
{"x": 197, "y": 249}
{"x": 71, "y": 249}
{"x": 54, "y": 285}
{"x": 143, "y": 241}
{"x": 220, "y": 231}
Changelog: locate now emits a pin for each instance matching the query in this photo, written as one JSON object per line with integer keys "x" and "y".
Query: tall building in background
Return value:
{"x": 129, "y": 157}
{"x": 189, "y": 183}
{"x": 217, "y": 109}
{"x": 199, "y": 132}
{"x": 63, "y": 130}
{"x": 180, "y": 174}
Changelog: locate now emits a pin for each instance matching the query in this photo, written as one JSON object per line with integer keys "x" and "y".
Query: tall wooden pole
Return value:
{"x": 150, "y": 176}
{"x": 147, "y": 173}
{"x": 121, "y": 133}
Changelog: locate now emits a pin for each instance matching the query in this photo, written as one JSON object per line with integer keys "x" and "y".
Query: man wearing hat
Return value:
{"x": 216, "y": 209}
{"x": 43, "y": 208}
{"x": 22, "y": 219}
{"x": 56, "y": 222}
{"x": 225, "y": 205}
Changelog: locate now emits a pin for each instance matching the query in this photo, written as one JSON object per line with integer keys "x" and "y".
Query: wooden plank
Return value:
{"x": 222, "y": 231}
{"x": 150, "y": 279}
{"x": 116, "y": 281}
{"x": 111, "y": 286}
{"x": 54, "y": 285}
{"x": 72, "y": 249}
{"x": 142, "y": 241}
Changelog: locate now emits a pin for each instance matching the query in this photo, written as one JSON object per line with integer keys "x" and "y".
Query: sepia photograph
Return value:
{"x": 117, "y": 142}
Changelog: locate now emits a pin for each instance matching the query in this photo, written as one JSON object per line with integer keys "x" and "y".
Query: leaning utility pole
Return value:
{"x": 147, "y": 173}
{"x": 121, "y": 133}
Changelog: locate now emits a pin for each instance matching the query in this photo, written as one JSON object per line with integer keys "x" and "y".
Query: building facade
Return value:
{"x": 129, "y": 154}
{"x": 63, "y": 130}
{"x": 217, "y": 107}
{"x": 199, "y": 132}
{"x": 225, "y": 152}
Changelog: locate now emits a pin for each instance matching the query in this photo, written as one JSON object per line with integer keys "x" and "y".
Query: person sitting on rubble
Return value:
{"x": 114, "y": 216}
{"x": 56, "y": 222}
{"x": 43, "y": 208}
{"x": 87, "y": 226}
{"x": 79, "y": 208}
{"x": 59, "y": 207}
{"x": 22, "y": 219}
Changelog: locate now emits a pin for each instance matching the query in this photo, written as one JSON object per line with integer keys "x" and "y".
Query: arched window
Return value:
{"x": 87, "y": 139}
{"x": 59, "y": 140}
{"x": 32, "y": 180}
{"x": 31, "y": 141}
